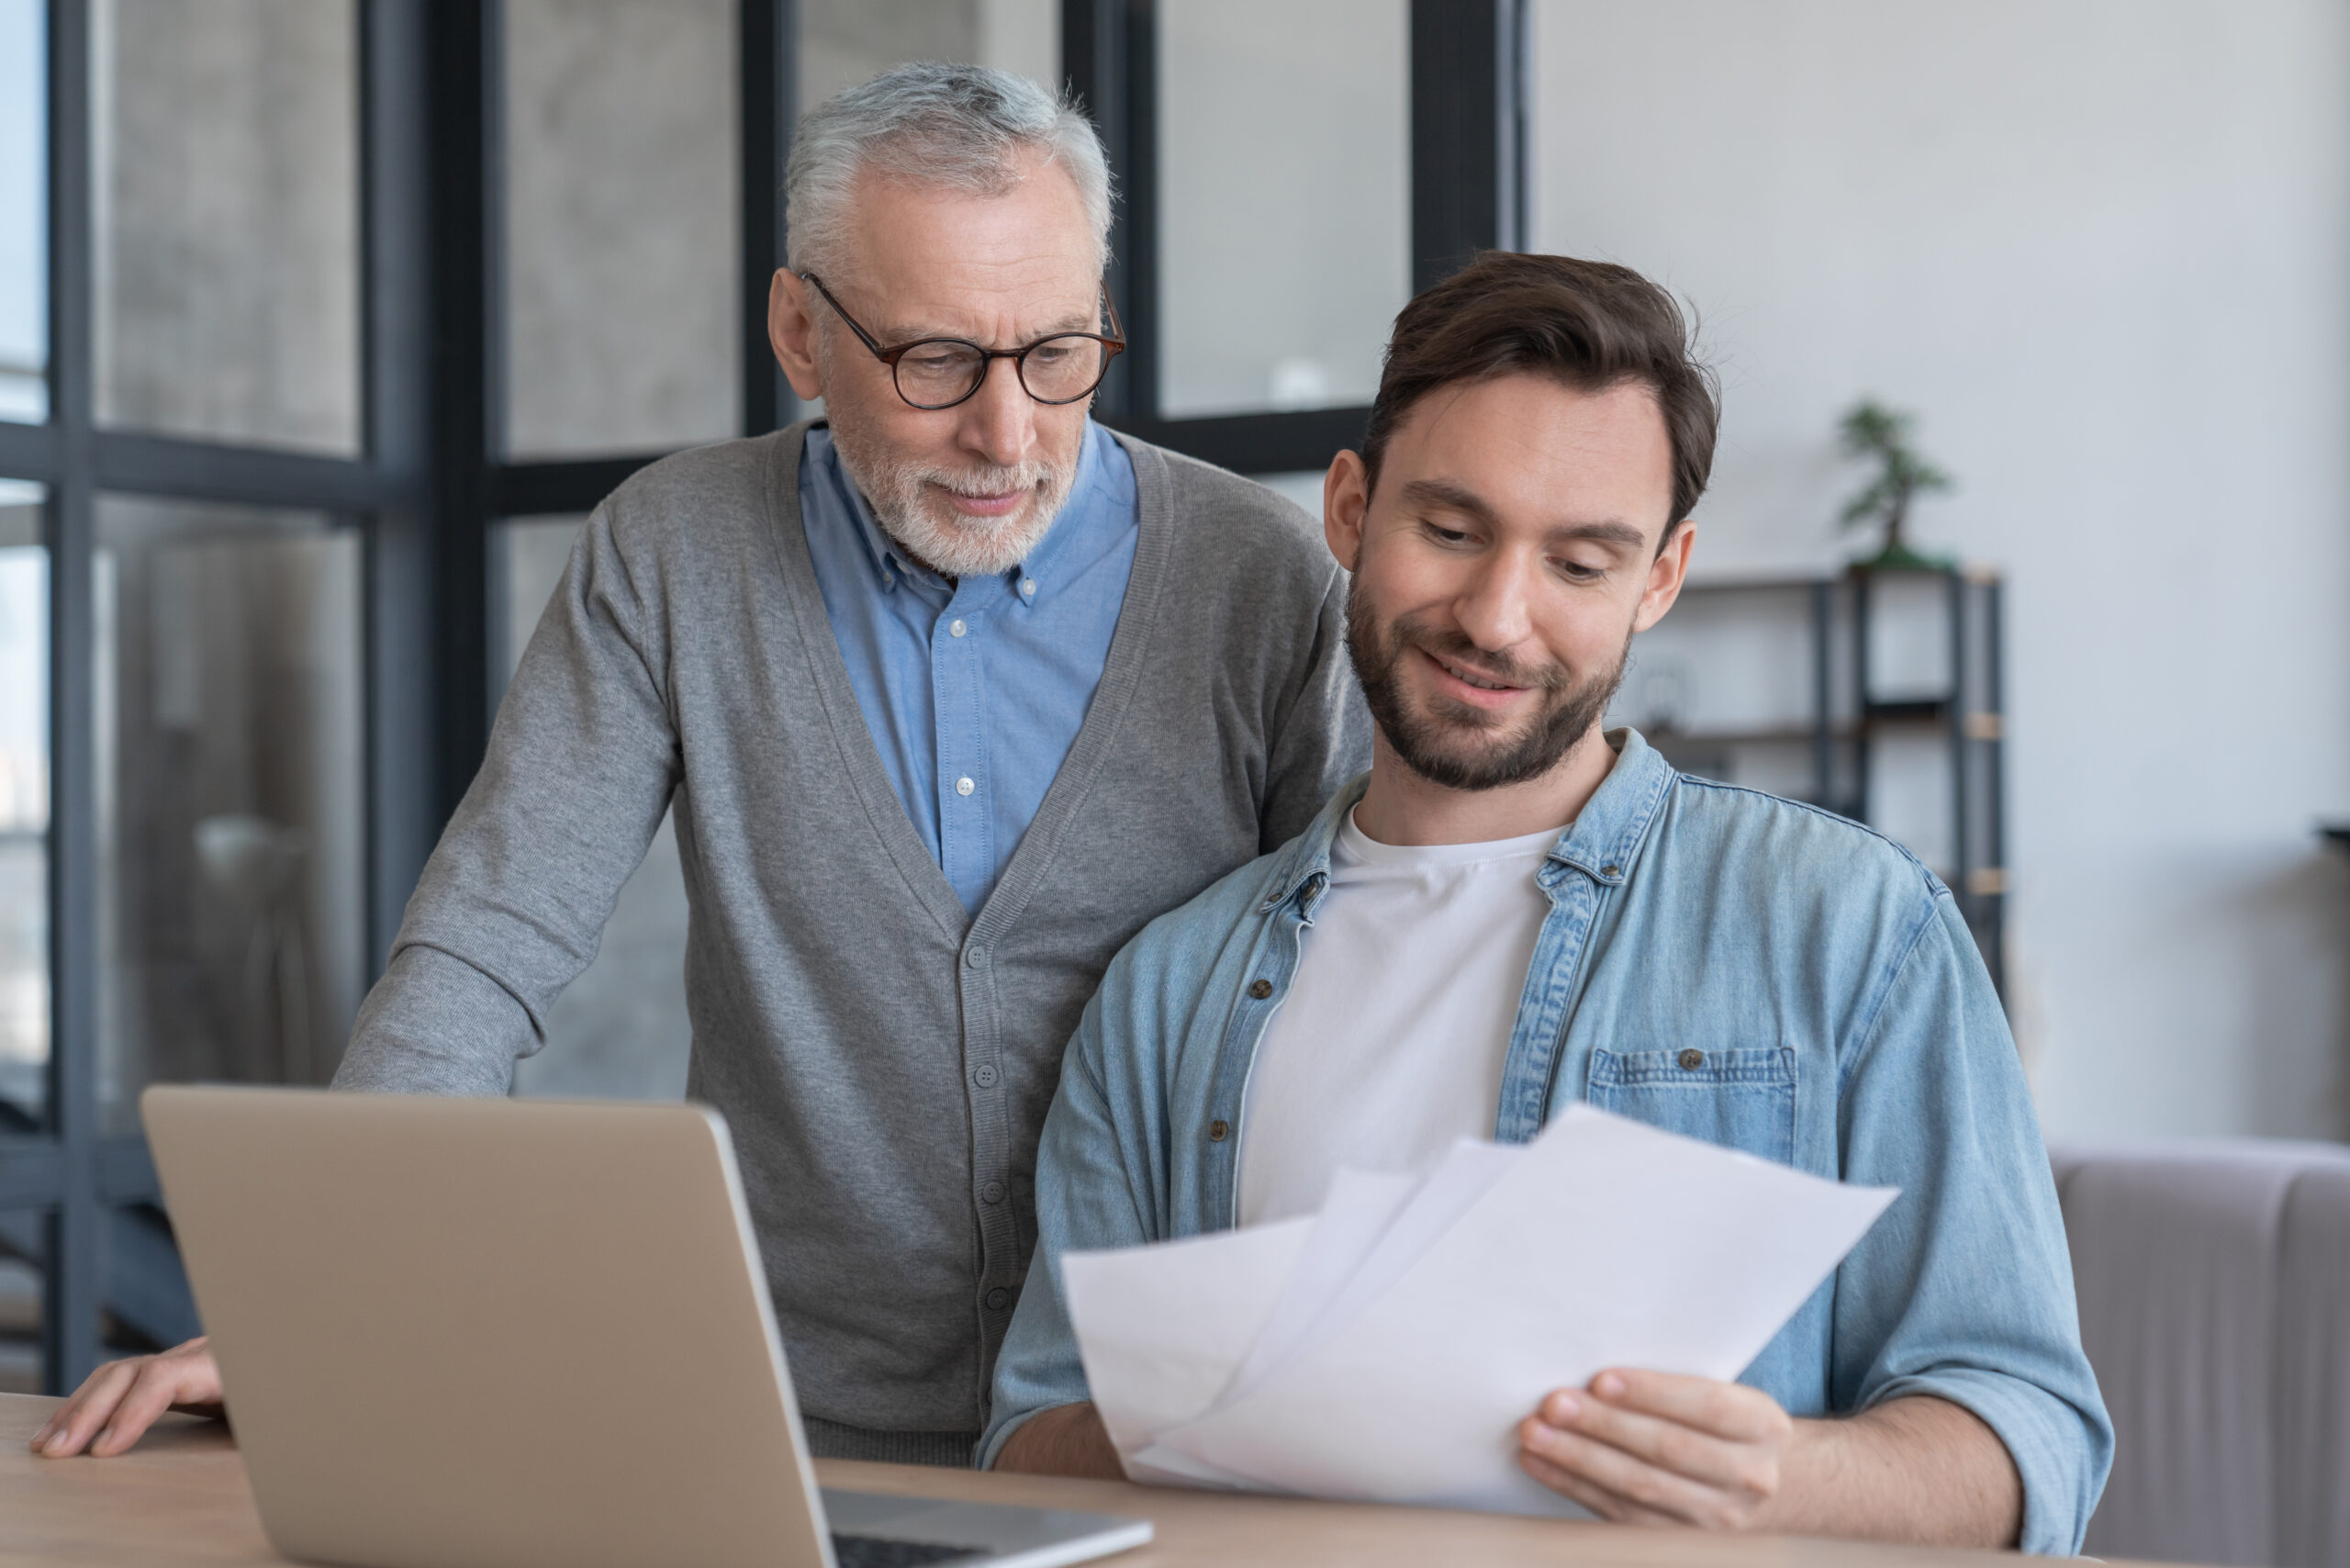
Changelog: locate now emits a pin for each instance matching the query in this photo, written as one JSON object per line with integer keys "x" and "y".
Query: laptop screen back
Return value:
{"x": 488, "y": 1333}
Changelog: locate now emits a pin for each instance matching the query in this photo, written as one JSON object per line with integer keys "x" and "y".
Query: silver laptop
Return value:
{"x": 517, "y": 1334}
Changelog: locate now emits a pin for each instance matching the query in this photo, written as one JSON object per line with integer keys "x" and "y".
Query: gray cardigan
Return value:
{"x": 884, "y": 1058}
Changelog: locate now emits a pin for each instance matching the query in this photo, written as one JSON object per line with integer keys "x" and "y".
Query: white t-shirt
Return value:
{"x": 1391, "y": 1040}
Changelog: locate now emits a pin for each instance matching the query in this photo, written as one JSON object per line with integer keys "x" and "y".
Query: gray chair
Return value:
{"x": 2214, "y": 1282}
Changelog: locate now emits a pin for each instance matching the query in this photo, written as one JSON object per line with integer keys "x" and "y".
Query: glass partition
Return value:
{"x": 24, "y": 809}
{"x": 232, "y": 795}
{"x": 844, "y": 42}
{"x": 1284, "y": 201}
{"x": 623, "y": 236}
{"x": 227, "y": 205}
{"x": 21, "y": 1251}
{"x": 24, "y": 212}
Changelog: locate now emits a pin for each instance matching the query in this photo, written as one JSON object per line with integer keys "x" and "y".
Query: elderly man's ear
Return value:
{"x": 792, "y": 330}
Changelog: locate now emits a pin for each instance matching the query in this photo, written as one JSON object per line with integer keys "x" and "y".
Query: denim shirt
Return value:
{"x": 1844, "y": 1026}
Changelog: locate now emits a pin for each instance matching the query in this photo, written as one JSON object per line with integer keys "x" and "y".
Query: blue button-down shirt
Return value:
{"x": 1842, "y": 1022}
{"x": 974, "y": 690}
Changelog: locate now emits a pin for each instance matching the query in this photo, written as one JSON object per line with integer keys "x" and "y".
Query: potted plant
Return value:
{"x": 1875, "y": 433}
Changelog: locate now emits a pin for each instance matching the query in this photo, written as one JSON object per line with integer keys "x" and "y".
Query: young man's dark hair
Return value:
{"x": 1590, "y": 324}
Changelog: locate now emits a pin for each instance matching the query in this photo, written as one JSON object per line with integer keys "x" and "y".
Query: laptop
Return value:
{"x": 521, "y": 1334}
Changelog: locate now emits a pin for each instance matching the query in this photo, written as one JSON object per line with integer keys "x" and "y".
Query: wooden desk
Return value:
{"x": 180, "y": 1498}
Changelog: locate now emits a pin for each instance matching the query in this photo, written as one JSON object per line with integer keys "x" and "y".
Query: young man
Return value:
{"x": 1513, "y": 911}
{"x": 921, "y": 682}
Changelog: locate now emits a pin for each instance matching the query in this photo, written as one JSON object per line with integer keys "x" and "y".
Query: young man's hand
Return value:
{"x": 1655, "y": 1447}
{"x": 118, "y": 1402}
{"x": 1659, "y": 1449}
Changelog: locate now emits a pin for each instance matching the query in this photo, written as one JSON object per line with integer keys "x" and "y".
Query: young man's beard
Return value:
{"x": 1431, "y": 745}
{"x": 904, "y": 505}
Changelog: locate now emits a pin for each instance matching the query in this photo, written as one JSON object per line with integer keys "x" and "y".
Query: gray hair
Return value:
{"x": 938, "y": 126}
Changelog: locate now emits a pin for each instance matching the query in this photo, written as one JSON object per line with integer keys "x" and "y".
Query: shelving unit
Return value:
{"x": 1867, "y": 708}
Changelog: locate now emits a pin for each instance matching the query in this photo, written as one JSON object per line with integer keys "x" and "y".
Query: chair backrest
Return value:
{"x": 2214, "y": 1285}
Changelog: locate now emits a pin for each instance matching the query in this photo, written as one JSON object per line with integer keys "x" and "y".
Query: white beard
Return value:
{"x": 947, "y": 542}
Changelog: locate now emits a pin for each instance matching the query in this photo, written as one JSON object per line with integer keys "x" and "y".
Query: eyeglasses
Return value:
{"x": 938, "y": 372}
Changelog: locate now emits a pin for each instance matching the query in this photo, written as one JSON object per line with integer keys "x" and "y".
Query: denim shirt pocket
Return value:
{"x": 1741, "y": 1099}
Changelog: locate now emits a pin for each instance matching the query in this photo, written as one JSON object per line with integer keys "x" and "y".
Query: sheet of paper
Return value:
{"x": 1606, "y": 1243}
{"x": 1356, "y": 1214}
{"x": 1468, "y": 1168}
{"x": 1159, "y": 1328}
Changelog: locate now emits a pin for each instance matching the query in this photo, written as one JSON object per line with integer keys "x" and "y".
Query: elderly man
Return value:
{"x": 1516, "y": 911}
{"x": 950, "y": 693}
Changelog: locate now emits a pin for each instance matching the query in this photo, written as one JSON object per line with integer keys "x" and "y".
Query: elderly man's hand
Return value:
{"x": 118, "y": 1402}
{"x": 1656, "y": 1448}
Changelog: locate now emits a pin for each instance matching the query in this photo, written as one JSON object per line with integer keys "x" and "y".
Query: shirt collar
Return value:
{"x": 890, "y": 563}
{"x": 1601, "y": 843}
{"x": 1082, "y": 505}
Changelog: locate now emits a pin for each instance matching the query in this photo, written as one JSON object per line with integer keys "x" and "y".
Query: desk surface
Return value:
{"x": 180, "y": 1498}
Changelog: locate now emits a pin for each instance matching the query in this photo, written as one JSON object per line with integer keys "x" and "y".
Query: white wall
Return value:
{"x": 2103, "y": 249}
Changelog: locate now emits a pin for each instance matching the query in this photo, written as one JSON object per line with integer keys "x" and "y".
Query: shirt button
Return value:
{"x": 955, "y": 628}
{"x": 1604, "y": 870}
{"x": 1261, "y": 989}
{"x": 998, "y": 1299}
{"x": 964, "y": 786}
{"x": 1219, "y": 1131}
{"x": 1028, "y": 587}
{"x": 1692, "y": 1061}
{"x": 992, "y": 1193}
{"x": 984, "y": 1076}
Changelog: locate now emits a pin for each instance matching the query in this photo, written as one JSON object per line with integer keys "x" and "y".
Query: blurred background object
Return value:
{"x": 1871, "y": 433}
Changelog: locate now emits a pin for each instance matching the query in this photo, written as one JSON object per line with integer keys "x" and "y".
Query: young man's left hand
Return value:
{"x": 1659, "y": 1447}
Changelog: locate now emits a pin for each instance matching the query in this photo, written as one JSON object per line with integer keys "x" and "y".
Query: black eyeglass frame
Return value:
{"x": 1114, "y": 343}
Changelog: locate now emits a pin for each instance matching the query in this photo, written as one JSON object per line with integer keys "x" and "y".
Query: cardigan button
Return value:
{"x": 1219, "y": 1131}
{"x": 1261, "y": 988}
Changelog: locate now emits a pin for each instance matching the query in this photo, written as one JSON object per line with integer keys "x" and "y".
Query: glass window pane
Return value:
{"x": 23, "y": 1245}
{"x": 620, "y": 1030}
{"x": 1284, "y": 201}
{"x": 1020, "y": 36}
{"x": 622, "y": 232}
{"x": 227, "y": 219}
{"x": 844, "y": 42}
{"x": 232, "y": 810}
{"x": 24, "y": 212}
{"x": 24, "y": 808}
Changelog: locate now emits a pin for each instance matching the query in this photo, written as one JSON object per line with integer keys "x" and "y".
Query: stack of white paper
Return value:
{"x": 1387, "y": 1346}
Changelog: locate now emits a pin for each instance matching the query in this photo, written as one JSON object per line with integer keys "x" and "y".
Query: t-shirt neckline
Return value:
{"x": 1354, "y": 846}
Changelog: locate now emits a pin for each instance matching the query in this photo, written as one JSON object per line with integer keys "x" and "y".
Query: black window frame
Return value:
{"x": 1468, "y": 107}
{"x": 432, "y": 478}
